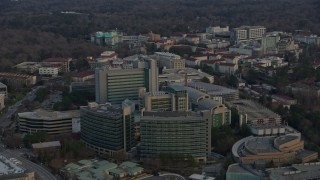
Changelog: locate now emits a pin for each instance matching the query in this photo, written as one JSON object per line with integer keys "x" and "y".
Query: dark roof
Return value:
{"x": 56, "y": 60}
{"x": 83, "y": 74}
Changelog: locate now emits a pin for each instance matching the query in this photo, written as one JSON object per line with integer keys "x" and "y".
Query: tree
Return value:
{"x": 233, "y": 81}
{"x": 205, "y": 79}
{"x": 245, "y": 130}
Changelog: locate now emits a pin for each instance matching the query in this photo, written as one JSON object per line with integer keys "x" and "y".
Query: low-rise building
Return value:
{"x": 15, "y": 80}
{"x": 100, "y": 170}
{"x": 183, "y": 75}
{"x": 253, "y": 113}
{"x": 2, "y": 97}
{"x": 278, "y": 150}
{"x": 29, "y": 67}
{"x": 3, "y": 89}
{"x": 216, "y": 91}
{"x": 52, "y": 148}
{"x": 63, "y": 62}
{"x": 51, "y": 122}
{"x": 49, "y": 71}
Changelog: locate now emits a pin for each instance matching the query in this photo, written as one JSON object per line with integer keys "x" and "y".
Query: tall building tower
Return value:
{"x": 245, "y": 33}
{"x": 123, "y": 82}
{"x": 108, "y": 130}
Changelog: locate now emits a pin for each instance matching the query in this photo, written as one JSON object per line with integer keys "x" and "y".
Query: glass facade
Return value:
{"x": 109, "y": 130}
{"x": 173, "y": 135}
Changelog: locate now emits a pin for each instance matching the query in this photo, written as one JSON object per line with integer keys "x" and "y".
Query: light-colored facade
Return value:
{"x": 245, "y": 33}
{"x": 116, "y": 85}
{"x": 107, "y": 129}
{"x": 2, "y": 97}
{"x": 159, "y": 101}
{"x": 29, "y": 67}
{"x": 169, "y": 60}
{"x": 50, "y": 122}
{"x": 175, "y": 133}
{"x": 49, "y": 71}
{"x": 63, "y": 62}
{"x": 279, "y": 150}
{"x": 18, "y": 80}
{"x": 3, "y": 89}
{"x": 181, "y": 100}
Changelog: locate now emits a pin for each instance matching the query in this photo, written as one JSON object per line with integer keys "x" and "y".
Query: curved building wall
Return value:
{"x": 173, "y": 135}
{"x": 52, "y": 126}
{"x": 107, "y": 133}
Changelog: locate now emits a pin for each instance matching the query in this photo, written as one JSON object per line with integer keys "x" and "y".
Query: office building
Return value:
{"x": 239, "y": 171}
{"x": 174, "y": 100}
{"x": 18, "y": 80}
{"x": 245, "y": 33}
{"x": 49, "y": 71}
{"x": 169, "y": 60}
{"x": 175, "y": 133}
{"x": 51, "y": 122}
{"x": 108, "y": 39}
{"x": 181, "y": 97}
{"x": 64, "y": 63}
{"x": 107, "y": 129}
{"x": 123, "y": 82}
{"x": 28, "y": 67}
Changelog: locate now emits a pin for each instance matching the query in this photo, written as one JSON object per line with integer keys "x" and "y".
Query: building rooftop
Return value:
{"x": 49, "y": 115}
{"x": 168, "y": 55}
{"x": 252, "y": 109}
{"x": 208, "y": 104}
{"x": 15, "y": 75}
{"x": 285, "y": 139}
{"x": 196, "y": 95}
{"x": 296, "y": 171}
{"x": 57, "y": 60}
{"x": 82, "y": 74}
{"x": 212, "y": 89}
{"x": 105, "y": 109}
{"x": 2, "y": 85}
{"x": 46, "y": 144}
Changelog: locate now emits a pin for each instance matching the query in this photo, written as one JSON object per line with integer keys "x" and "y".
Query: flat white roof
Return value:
{"x": 46, "y": 144}
{"x": 200, "y": 177}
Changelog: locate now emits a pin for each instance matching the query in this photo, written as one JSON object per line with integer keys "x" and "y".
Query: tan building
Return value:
{"x": 82, "y": 76}
{"x": 18, "y": 80}
{"x": 2, "y": 96}
{"x": 3, "y": 89}
{"x": 169, "y": 60}
{"x": 278, "y": 150}
{"x": 162, "y": 101}
{"x": 63, "y": 62}
{"x": 52, "y": 148}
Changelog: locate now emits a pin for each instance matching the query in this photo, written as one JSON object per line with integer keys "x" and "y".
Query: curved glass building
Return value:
{"x": 107, "y": 129}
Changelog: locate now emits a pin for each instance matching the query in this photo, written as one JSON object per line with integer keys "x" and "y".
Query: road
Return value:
{"x": 41, "y": 172}
{"x": 5, "y": 119}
